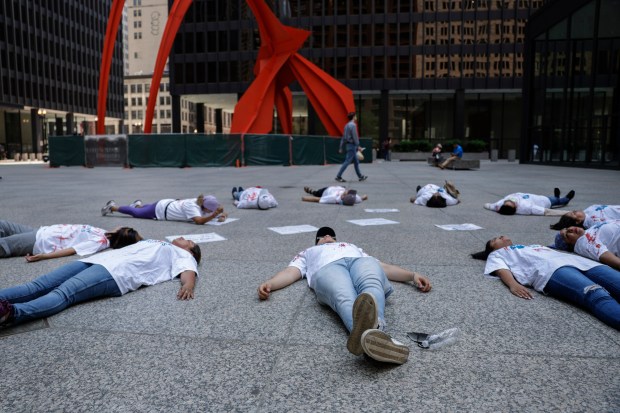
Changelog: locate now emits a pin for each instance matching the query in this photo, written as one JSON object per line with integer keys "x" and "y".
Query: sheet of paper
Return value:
{"x": 293, "y": 229}
{"x": 215, "y": 222}
{"x": 199, "y": 238}
{"x": 459, "y": 227}
{"x": 382, "y": 210}
{"x": 372, "y": 221}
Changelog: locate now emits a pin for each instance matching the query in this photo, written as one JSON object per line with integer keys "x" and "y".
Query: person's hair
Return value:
{"x": 483, "y": 255}
{"x": 351, "y": 115}
{"x": 122, "y": 237}
{"x": 436, "y": 201}
{"x": 565, "y": 222}
{"x": 195, "y": 250}
{"x": 507, "y": 210}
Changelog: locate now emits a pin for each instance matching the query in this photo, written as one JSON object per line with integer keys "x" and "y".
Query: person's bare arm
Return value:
{"x": 188, "y": 281}
{"x": 204, "y": 220}
{"x": 555, "y": 212}
{"x": 609, "y": 258}
{"x": 396, "y": 273}
{"x": 284, "y": 278}
{"x": 310, "y": 198}
{"x": 515, "y": 288}
{"x": 56, "y": 254}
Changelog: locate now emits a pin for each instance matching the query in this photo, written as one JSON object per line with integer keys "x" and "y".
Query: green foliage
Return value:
{"x": 475, "y": 145}
{"x": 413, "y": 146}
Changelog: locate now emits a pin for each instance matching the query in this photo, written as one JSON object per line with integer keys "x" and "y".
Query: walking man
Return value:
{"x": 352, "y": 142}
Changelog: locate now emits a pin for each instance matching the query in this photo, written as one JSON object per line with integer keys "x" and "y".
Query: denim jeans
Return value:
{"x": 596, "y": 290}
{"x": 339, "y": 283}
{"x": 351, "y": 156}
{"x": 558, "y": 201}
{"x": 16, "y": 240}
{"x": 53, "y": 292}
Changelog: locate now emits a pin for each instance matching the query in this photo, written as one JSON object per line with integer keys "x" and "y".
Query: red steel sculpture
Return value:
{"x": 278, "y": 65}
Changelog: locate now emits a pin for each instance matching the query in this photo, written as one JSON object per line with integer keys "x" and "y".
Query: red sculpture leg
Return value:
{"x": 175, "y": 17}
{"x": 116, "y": 12}
{"x": 284, "y": 106}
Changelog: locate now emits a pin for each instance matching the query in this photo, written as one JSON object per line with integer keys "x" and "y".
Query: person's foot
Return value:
{"x": 365, "y": 317}
{"x": 556, "y": 192}
{"x": 107, "y": 209}
{"x": 418, "y": 188}
{"x": 6, "y": 311}
{"x": 308, "y": 190}
{"x": 381, "y": 347}
{"x": 339, "y": 179}
{"x": 363, "y": 178}
{"x": 571, "y": 194}
{"x": 234, "y": 189}
{"x": 440, "y": 167}
{"x": 136, "y": 204}
{"x": 240, "y": 189}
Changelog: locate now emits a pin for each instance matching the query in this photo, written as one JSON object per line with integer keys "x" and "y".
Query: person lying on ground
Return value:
{"x": 590, "y": 216}
{"x": 254, "y": 197}
{"x": 599, "y": 243}
{"x": 333, "y": 195}
{"x": 433, "y": 196}
{"x": 109, "y": 274}
{"x": 355, "y": 285}
{"x": 577, "y": 280}
{"x": 199, "y": 210}
{"x": 531, "y": 204}
{"x": 61, "y": 240}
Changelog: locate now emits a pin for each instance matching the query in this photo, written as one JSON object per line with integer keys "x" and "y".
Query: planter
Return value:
{"x": 422, "y": 156}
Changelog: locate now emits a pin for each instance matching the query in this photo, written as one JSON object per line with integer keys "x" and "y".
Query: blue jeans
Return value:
{"x": 53, "y": 292}
{"x": 596, "y": 290}
{"x": 339, "y": 283}
{"x": 15, "y": 239}
{"x": 558, "y": 202}
{"x": 351, "y": 156}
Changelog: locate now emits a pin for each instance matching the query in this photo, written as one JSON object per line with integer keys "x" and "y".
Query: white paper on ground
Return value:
{"x": 293, "y": 229}
{"x": 372, "y": 221}
{"x": 459, "y": 227}
{"x": 381, "y": 210}
{"x": 215, "y": 222}
{"x": 199, "y": 238}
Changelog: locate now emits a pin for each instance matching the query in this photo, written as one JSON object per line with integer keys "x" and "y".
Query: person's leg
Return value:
{"x": 16, "y": 239}
{"x": 319, "y": 192}
{"x": 356, "y": 162}
{"x": 448, "y": 161}
{"x": 368, "y": 277}
{"x": 236, "y": 195}
{"x": 93, "y": 282}
{"x": 558, "y": 201}
{"x": 572, "y": 285}
{"x": 333, "y": 287}
{"x": 348, "y": 159}
{"x": 43, "y": 284}
{"x": 8, "y": 228}
{"x": 606, "y": 277}
{"x": 145, "y": 212}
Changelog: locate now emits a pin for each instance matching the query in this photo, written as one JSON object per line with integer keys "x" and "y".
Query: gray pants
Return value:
{"x": 15, "y": 239}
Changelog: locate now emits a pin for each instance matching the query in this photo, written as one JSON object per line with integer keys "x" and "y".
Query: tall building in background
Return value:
{"x": 50, "y": 56}
{"x": 146, "y": 20}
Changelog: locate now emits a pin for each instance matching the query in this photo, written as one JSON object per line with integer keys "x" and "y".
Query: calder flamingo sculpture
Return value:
{"x": 278, "y": 65}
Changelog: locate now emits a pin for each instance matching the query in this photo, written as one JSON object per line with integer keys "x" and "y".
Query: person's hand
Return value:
{"x": 521, "y": 291}
{"x": 423, "y": 283}
{"x": 186, "y": 292}
{"x": 222, "y": 217}
{"x": 264, "y": 290}
{"x": 34, "y": 258}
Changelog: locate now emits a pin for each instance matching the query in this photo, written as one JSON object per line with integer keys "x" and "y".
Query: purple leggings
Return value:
{"x": 146, "y": 212}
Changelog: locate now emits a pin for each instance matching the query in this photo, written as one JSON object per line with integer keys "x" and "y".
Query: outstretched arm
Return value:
{"x": 515, "y": 288}
{"x": 56, "y": 254}
{"x": 610, "y": 259}
{"x": 555, "y": 212}
{"x": 396, "y": 273}
{"x": 282, "y": 279}
{"x": 188, "y": 281}
{"x": 310, "y": 198}
{"x": 204, "y": 220}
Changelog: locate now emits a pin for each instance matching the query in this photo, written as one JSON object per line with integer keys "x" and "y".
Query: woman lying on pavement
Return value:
{"x": 590, "y": 216}
{"x": 599, "y": 243}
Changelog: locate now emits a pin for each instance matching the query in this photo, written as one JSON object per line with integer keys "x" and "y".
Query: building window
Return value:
{"x": 137, "y": 13}
{"x": 137, "y": 36}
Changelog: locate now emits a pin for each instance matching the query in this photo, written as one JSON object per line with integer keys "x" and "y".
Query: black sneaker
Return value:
{"x": 339, "y": 179}
{"x": 556, "y": 192}
{"x": 571, "y": 194}
{"x": 363, "y": 178}
{"x": 418, "y": 188}
{"x": 233, "y": 191}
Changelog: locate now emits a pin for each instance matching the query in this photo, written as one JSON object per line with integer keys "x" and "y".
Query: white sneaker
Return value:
{"x": 136, "y": 204}
{"x": 107, "y": 209}
{"x": 381, "y": 347}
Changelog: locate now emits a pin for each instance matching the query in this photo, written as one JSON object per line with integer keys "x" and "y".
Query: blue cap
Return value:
{"x": 560, "y": 244}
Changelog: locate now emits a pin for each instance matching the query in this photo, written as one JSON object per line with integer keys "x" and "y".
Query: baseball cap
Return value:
{"x": 322, "y": 232}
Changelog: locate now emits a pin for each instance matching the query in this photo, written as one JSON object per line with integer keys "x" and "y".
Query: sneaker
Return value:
{"x": 363, "y": 178}
{"x": 339, "y": 179}
{"x": 6, "y": 311}
{"x": 571, "y": 194}
{"x": 365, "y": 317}
{"x": 418, "y": 188}
{"x": 107, "y": 209}
{"x": 381, "y": 347}
{"x": 233, "y": 191}
{"x": 136, "y": 204}
{"x": 308, "y": 190}
{"x": 556, "y": 192}
{"x": 240, "y": 189}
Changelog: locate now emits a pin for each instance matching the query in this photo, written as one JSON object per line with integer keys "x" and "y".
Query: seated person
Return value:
{"x": 530, "y": 204}
{"x": 333, "y": 195}
{"x": 110, "y": 274}
{"x": 61, "y": 240}
{"x": 599, "y": 243}
{"x": 588, "y": 217}
{"x": 253, "y": 198}
{"x": 577, "y": 280}
{"x": 434, "y": 196}
{"x": 199, "y": 210}
{"x": 457, "y": 153}
{"x": 436, "y": 154}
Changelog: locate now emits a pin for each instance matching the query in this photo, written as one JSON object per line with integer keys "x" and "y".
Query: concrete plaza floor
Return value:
{"x": 226, "y": 351}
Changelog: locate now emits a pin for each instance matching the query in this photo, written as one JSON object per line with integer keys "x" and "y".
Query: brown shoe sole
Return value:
{"x": 364, "y": 318}
{"x": 379, "y": 346}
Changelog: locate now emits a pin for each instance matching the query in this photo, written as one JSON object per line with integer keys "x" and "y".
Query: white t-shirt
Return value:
{"x": 249, "y": 198}
{"x": 600, "y": 213}
{"x": 179, "y": 210}
{"x": 84, "y": 239}
{"x": 147, "y": 262}
{"x": 311, "y": 260}
{"x": 427, "y": 191}
{"x": 527, "y": 204}
{"x": 533, "y": 265}
{"x": 333, "y": 195}
{"x": 599, "y": 239}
